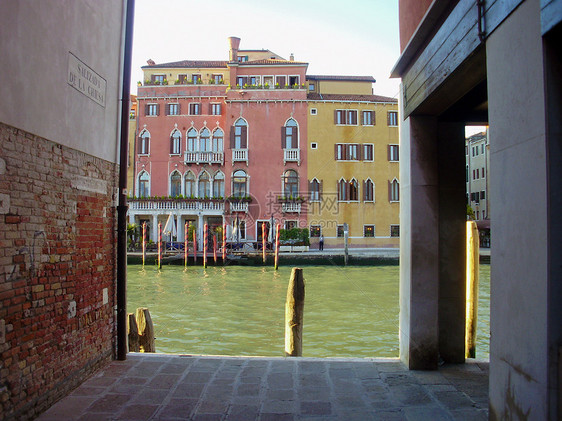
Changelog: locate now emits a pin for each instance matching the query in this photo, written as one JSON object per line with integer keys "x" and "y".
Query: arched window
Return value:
{"x": 239, "y": 183}
{"x": 189, "y": 184}
{"x": 315, "y": 190}
{"x": 290, "y": 135}
{"x": 368, "y": 191}
{"x": 144, "y": 143}
{"x": 191, "y": 140}
{"x": 205, "y": 140}
{"x": 291, "y": 184}
{"x": 175, "y": 184}
{"x": 204, "y": 185}
{"x": 218, "y": 139}
{"x": 342, "y": 190}
{"x": 144, "y": 184}
{"x": 175, "y": 142}
{"x": 394, "y": 191}
{"x": 218, "y": 185}
{"x": 239, "y": 135}
{"x": 353, "y": 190}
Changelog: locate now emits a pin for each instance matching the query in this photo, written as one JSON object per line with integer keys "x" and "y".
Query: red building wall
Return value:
{"x": 411, "y": 13}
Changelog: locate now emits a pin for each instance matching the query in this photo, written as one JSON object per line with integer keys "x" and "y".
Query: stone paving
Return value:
{"x": 176, "y": 387}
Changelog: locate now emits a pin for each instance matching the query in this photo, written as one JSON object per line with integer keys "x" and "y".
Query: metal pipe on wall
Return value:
{"x": 121, "y": 289}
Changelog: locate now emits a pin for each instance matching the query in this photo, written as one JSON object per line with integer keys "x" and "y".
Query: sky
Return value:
{"x": 351, "y": 37}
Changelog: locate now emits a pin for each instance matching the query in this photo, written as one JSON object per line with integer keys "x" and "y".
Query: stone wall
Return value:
{"x": 57, "y": 270}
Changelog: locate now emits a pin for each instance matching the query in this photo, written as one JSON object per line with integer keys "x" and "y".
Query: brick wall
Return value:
{"x": 57, "y": 254}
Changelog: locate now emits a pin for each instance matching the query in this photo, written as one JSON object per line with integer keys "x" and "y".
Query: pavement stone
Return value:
{"x": 164, "y": 387}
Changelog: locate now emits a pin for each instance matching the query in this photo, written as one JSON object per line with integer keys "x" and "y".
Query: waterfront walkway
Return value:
{"x": 176, "y": 387}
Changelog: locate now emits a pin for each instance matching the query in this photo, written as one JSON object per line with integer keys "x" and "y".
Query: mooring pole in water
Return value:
{"x": 185, "y": 242}
{"x": 346, "y": 238}
{"x": 143, "y": 242}
{"x": 223, "y": 243}
{"x": 472, "y": 269}
{"x": 215, "y": 248}
{"x": 205, "y": 242}
{"x": 276, "y": 247}
{"x": 194, "y": 247}
{"x": 159, "y": 245}
{"x": 146, "y": 330}
{"x": 294, "y": 310}
{"x": 263, "y": 243}
{"x": 133, "y": 333}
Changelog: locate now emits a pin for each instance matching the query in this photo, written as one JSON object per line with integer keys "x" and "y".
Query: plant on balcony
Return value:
{"x": 284, "y": 199}
{"x": 240, "y": 198}
{"x": 294, "y": 237}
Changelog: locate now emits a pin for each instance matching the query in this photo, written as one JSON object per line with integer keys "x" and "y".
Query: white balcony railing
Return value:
{"x": 292, "y": 207}
{"x": 172, "y": 205}
{"x": 204, "y": 157}
{"x": 239, "y": 207}
{"x": 291, "y": 155}
{"x": 240, "y": 155}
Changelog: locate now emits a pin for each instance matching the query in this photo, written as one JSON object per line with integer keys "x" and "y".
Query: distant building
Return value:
{"x": 477, "y": 175}
{"x": 353, "y": 165}
{"x": 228, "y": 142}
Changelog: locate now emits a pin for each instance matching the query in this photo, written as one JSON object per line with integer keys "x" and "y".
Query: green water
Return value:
{"x": 237, "y": 310}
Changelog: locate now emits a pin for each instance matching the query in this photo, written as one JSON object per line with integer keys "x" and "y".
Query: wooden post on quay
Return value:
{"x": 146, "y": 330}
{"x": 472, "y": 273}
{"x": 294, "y": 309}
{"x": 133, "y": 333}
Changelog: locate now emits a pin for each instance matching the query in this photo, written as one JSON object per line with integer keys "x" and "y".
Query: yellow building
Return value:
{"x": 353, "y": 163}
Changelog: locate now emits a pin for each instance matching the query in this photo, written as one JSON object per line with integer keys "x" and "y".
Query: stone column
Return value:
{"x": 452, "y": 241}
{"x": 155, "y": 228}
{"x": 522, "y": 375}
{"x": 419, "y": 239}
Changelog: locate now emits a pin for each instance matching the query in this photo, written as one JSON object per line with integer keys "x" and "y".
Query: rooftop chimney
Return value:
{"x": 150, "y": 62}
{"x": 234, "y": 44}
{"x": 292, "y": 57}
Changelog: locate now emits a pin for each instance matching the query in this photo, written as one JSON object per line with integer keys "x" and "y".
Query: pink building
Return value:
{"x": 220, "y": 142}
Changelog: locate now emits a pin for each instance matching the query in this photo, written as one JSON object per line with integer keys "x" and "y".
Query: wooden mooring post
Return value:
{"x": 472, "y": 274}
{"x": 294, "y": 310}
{"x": 141, "y": 331}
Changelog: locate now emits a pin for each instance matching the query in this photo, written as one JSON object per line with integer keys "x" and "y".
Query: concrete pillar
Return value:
{"x": 525, "y": 272}
{"x": 452, "y": 241}
{"x": 155, "y": 228}
{"x": 419, "y": 242}
{"x": 553, "y": 70}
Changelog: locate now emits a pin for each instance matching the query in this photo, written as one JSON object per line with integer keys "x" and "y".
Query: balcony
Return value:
{"x": 292, "y": 155}
{"x": 239, "y": 207}
{"x": 166, "y": 205}
{"x": 240, "y": 155}
{"x": 291, "y": 207}
{"x": 204, "y": 157}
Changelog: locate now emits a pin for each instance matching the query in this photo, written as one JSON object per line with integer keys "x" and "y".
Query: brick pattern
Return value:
{"x": 57, "y": 238}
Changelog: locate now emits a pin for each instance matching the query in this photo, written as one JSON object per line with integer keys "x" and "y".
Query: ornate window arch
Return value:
{"x": 189, "y": 184}
{"x": 218, "y": 184}
{"x": 175, "y": 142}
{"x": 290, "y": 134}
{"x": 143, "y": 184}
{"x": 291, "y": 183}
{"x": 144, "y": 142}
{"x": 204, "y": 185}
{"x": 239, "y": 134}
{"x": 205, "y": 140}
{"x": 175, "y": 183}
{"x": 218, "y": 140}
{"x": 240, "y": 183}
{"x": 191, "y": 140}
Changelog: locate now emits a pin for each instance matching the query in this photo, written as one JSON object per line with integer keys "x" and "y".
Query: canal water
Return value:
{"x": 239, "y": 310}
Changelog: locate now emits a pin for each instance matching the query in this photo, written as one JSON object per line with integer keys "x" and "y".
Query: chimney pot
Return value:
{"x": 234, "y": 45}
